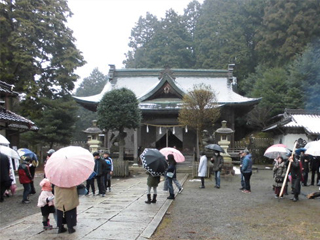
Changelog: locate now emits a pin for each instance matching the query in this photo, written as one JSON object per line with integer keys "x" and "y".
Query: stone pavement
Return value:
{"x": 121, "y": 214}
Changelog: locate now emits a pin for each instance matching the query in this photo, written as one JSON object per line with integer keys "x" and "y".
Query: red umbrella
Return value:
{"x": 178, "y": 156}
{"x": 276, "y": 150}
{"x": 69, "y": 166}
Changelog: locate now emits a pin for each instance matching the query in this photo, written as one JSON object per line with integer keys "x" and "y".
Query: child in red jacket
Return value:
{"x": 25, "y": 178}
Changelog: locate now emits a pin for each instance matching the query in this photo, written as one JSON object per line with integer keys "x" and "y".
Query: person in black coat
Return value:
{"x": 305, "y": 167}
{"x": 100, "y": 168}
{"x": 5, "y": 180}
{"x": 296, "y": 177}
{"x": 315, "y": 164}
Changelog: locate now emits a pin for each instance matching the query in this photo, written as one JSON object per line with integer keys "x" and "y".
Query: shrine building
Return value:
{"x": 160, "y": 93}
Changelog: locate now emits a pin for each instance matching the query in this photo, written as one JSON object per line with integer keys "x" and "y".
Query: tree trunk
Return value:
{"x": 122, "y": 135}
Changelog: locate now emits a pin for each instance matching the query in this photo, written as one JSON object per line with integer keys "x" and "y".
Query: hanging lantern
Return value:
{"x": 186, "y": 129}
{"x": 147, "y": 128}
{"x": 160, "y": 132}
{"x": 174, "y": 130}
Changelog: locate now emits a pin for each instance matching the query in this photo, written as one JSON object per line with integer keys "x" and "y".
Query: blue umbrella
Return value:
{"x": 299, "y": 150}
{"x": 25, "y": 152}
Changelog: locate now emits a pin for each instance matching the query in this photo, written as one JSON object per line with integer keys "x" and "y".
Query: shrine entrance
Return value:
{"x": 169, "y": 140}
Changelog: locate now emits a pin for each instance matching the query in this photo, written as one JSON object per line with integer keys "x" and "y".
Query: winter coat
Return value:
{"x": 217, "y": 163}
{"x": 42, "y": 200}
{"x": 247, "y": 164}
{"x": 305, "y": 162}
{"x": 153, "y": 181}
{"x": 5, "y": 179}
{"x": 295, "y": 169}
{"x": 279, "y": 171}
{"x": 109, "y": 163}
{"x": 100, "y": 167}
{"x": 24, "y": 173}
{"x": 202, "y": 169}
{"x": 66, "y": 199}
{"x": 172, "y": 168}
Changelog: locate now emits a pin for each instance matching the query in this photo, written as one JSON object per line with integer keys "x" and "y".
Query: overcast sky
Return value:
{"x": 102, "y": 28}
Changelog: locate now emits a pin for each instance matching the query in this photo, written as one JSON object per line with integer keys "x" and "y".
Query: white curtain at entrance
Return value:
{"x": 158, "y": 134}
{"x": 178, "y": 133}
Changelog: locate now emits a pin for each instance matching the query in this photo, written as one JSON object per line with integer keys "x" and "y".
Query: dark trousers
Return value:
{"x": 202, "y": 181}
{"x": 100, "y": 182}
{"x": 67, "y": 217}
{"x": 247, "y": 177}
{"x": 26, "y": 191}
{"x": 107, "y": 180}
{"x": 305, "y": 178}
{"x": 296, "y": 186}
{"x": 314, "y": 172}
{"x": 32, "y": 189}
{"x": 90, "y": 183}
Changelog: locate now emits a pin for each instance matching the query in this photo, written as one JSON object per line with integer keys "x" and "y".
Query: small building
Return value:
{"x": 160, "y": 93}
{"x": 12, "y": 124}
{"x": 295, "y": 125}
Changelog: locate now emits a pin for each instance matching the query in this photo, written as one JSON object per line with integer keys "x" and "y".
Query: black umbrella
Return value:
{"x": 154, "y": 162}
{"x": 215, "y": 147}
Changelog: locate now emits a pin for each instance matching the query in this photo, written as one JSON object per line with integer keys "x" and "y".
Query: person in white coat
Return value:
{"x": 202, "y": 169}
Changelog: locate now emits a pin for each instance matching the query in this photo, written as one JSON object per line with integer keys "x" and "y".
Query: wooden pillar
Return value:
{"x": 135, "y": 146}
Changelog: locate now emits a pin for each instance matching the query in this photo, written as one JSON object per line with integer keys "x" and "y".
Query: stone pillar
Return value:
{"x": 224, "y": 142}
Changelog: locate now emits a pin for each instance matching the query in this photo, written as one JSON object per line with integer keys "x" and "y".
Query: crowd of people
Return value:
{"x": 300, "y": 165}
{"x": 63, "y": 202}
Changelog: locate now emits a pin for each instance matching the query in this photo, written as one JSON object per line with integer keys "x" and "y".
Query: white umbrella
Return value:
{"x": 313, "y": 148}
{"x": 4, "y": 141}
{"x": 9, "y": 152}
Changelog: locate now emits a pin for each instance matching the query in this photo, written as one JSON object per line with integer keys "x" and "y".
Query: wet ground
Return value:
{"x": 12, "y": 209}
{"x": 227, "y": 213}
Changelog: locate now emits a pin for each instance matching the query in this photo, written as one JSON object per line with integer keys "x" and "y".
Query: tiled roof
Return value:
{"x": 7, "y": 89}
{"x": 310, "y": 122}
{"x": 299, "y": 118}
{"x": 145, "y": 83}
{"x": 16, "y": 121}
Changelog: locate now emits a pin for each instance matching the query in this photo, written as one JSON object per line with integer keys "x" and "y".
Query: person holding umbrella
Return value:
{"x": 152, "y": 182}
{"x": 66, "y": 202}
{"x": 279, "y": 172}
{"x": 217, "y": 161}
{"x": 171, "y": 173}
{"x": 202, "y": 169}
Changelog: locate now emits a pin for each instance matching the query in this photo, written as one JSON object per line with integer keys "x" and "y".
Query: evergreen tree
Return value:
{"x": 38, "y": 54}
{"x": 117, "y": 110}
{"x": 287, "y": 27}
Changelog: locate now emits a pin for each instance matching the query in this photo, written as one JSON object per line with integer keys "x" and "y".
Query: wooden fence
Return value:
{"x": 120, "y": 168}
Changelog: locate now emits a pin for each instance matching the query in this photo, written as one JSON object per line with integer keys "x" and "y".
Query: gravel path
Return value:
{"x": 227, "y": 213}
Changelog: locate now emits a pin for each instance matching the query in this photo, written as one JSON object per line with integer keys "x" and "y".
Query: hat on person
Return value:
{"x": 50, "y": 152}
{"x": 45, "y": 185}
{"x": 246, "y": 151}
{"x": 106, "y": 152}
{"x": 96, "y": 154}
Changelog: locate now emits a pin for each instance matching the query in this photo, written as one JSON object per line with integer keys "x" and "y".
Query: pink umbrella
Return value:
{"x": 178, "y": 156}
{"x": 277, "y": 150}
{"x": 69, "y": 166}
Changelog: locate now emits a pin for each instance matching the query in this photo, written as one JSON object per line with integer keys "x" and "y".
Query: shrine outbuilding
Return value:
{"x": 160, "y": 93}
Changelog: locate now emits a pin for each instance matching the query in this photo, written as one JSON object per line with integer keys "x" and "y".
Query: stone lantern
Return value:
{"x": 225, "y": 133}
{"x": 93, "y": 137}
